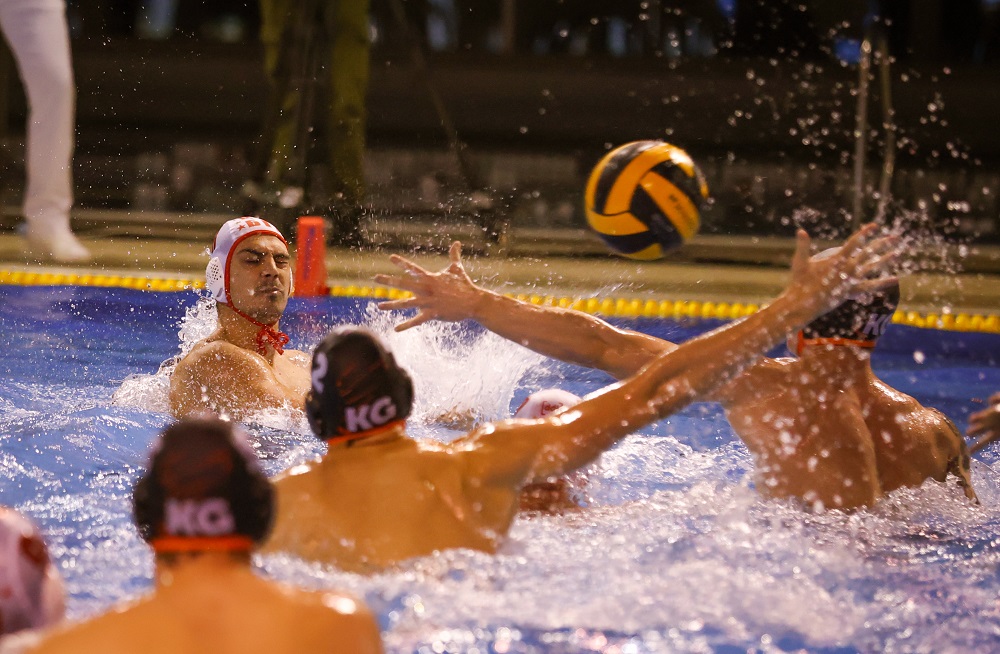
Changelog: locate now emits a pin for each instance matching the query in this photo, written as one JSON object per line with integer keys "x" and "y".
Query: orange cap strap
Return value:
{"x": 830, "y": 340}
{"x": 368, "y": 433}
{"x": 163, "y": 544}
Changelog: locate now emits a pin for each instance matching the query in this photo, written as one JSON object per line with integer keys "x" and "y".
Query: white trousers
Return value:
{"x": 39, "y": 38}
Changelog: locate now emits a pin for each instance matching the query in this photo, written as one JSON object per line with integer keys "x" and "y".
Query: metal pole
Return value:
{"x": 423, "y": 71}
{"x": 508, "y": 25}
{"x": 6, "y": 63}
{"x": 861, "y": 132}
{"x": 888, "y": 125}
{"x": 654, "y": 26}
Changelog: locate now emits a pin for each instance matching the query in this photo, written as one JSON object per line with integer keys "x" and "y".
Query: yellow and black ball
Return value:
{"x": 644, "y": 199}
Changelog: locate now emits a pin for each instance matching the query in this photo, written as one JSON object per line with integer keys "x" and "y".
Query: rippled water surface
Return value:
{"x": 675, "y": 554}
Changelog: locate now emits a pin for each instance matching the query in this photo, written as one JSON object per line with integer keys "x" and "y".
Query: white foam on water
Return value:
{"x": 461, "y": 375}
{"x": 150, "y": 392}
{"x": 711, "y": 556}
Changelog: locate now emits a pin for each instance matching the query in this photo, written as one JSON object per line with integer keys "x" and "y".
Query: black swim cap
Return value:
{"x": 859, "y": 321}
{"x": 357, "y": 386}
{"x": 203, "y": 489}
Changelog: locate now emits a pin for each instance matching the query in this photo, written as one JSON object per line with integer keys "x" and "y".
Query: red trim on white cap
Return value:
{"x": 236, "y": 229}
{"x": 254, "y": 226}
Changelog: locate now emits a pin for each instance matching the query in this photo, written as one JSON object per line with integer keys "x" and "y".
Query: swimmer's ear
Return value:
{"x": 314, "y": 412}
{"x": 33, "y": 549}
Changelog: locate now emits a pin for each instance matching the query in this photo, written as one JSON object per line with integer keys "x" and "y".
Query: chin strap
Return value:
{"x": 267, "y": 335}
{"x": 353, "y": 437}
{"x": 802, "y": 342}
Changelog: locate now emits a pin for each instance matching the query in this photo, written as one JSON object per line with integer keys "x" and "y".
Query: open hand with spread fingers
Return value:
{"x": 865, "y": 263}
{"x": 449, "y": 295}
{"x": 985, "y": 424}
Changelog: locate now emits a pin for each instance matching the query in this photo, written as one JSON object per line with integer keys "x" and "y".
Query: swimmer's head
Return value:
{"x": 541, "y": 403}
{"x": 358, "y": 389}
{"x": 231, "y": 234}
{"x": 203, "y": 490}
{"x": 31, "y": 591}
{"x": 858, "y": 322}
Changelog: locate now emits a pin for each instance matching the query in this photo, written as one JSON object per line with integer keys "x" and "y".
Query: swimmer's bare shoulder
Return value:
{"x": 92, "y": 635}
{"x": 325, "y": 621}
{"x": 280, "y": 619}
{"x": 501, "y": 457}
{"x": 220, "y": 377}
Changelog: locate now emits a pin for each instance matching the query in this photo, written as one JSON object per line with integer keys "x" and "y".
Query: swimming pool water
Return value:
{"x": 676, "y": 553}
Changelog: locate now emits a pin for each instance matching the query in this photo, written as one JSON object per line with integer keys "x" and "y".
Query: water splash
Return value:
{"x": 460, "y": 373}
{"x": 200, "y": 320}
{"x": 150, "y": 392}
{"x": 439, "y": 357}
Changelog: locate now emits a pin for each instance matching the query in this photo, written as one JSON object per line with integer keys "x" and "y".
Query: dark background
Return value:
{"x": 763, "y": 93}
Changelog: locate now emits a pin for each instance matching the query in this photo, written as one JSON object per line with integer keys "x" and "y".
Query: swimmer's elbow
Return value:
{"x": 623, "y": 363}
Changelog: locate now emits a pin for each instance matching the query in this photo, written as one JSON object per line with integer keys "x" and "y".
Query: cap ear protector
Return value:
{"x": 314, "y": 413}
{"x": 228, "y": 237}
{"x": 357, "y": 386}
{"x": 32, "y": 594}
{"x": 215, "y": 279}
{"x": 203, "y": 489}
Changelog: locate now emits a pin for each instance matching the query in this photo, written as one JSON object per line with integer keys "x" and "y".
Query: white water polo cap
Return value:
{"x": 31, "y": 591}
{"x": 230, "y": 235}
{"x": 541, "y": 403}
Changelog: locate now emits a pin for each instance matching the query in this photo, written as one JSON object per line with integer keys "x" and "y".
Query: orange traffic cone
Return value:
{"x": 310, "y": 257}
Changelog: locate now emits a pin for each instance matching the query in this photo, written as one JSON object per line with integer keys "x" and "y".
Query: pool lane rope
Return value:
{"x": 616, "y": 307}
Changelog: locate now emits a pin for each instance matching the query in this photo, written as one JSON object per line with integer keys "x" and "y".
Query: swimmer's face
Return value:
{"x": 260, "y": 276}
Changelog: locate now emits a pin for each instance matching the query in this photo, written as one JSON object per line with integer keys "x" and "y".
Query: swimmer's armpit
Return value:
{"x": 959, "y": 467}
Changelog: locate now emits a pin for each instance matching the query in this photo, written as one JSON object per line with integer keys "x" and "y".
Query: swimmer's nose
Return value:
{"x": 270, "y": 267}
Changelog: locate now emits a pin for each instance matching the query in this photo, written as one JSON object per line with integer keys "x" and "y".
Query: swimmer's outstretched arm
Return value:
{"x": 574, "y": 436}
{"x": 563, "y": 334}
{"x": 985, "y": 424}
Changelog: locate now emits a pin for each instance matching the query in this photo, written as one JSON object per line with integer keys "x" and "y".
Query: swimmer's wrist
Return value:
{"x": 481, "y": 301}
{"x": 799, "y": 306}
